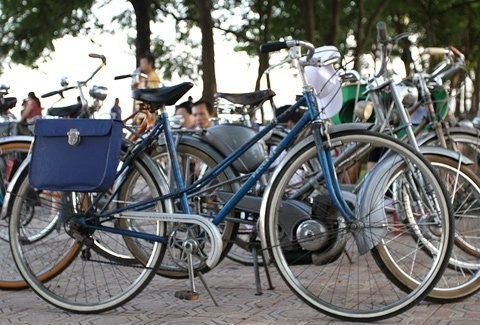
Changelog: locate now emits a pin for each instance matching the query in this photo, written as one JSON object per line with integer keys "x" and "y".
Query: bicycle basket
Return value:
{"x": 75, "y": 155}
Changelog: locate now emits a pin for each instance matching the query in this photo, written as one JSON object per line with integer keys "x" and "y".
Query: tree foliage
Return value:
{"x": 30, "y": 27}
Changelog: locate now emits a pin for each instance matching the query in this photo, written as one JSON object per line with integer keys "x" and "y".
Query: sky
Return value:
{"x": 235, "y": 72}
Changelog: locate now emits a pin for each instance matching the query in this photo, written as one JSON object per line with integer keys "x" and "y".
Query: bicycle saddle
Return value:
{"x": 70, "y": 111}
{"x": 254, "y": 98}
{"x": 162, "y": 96}
{"x": 9, "y": 102}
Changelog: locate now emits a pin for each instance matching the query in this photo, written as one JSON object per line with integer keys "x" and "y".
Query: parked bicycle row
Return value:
{"x": 365, "y": 196}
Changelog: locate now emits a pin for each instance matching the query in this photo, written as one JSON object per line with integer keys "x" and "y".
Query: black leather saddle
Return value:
{"x": 8, "y": 102}
{"x": 65, "y": 111}
{"x": 162, "y": 96}
{"x": 252, "y": 99}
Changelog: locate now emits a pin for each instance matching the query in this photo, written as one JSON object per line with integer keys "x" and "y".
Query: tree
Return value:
{"x": 29, "y": 27}
{"x": 261, "y": 21}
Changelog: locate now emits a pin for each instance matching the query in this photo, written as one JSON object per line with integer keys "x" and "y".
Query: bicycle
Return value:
{"x": 198, "y": 242}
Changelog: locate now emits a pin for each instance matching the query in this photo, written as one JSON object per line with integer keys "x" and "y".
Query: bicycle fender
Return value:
{"x": 194, "y": 140}
{"x": 425, "y": 150}
{"x": 426, "y": 137}
{"x": 370, "y": 215}
{"x": 16, "y": 138}
{"x": 370, "y": 209}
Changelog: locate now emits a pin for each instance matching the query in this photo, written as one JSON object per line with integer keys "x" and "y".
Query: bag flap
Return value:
{"x": 60, "y": 127}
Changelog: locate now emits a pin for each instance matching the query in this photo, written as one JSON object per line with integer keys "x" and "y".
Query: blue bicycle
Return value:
{"x": 336, "y": 243}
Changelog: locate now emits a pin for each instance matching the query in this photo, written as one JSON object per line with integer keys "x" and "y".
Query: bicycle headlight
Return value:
{"x": 363, "y": 110}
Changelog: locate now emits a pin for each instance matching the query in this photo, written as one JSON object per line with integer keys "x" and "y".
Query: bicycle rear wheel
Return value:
{"x": 317, "y": 253}
{"x": 91, "y": 281}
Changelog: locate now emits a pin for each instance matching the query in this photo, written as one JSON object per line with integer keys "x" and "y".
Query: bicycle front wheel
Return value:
{"x": 91, "y": 281}
{"x": 315, "y": 248}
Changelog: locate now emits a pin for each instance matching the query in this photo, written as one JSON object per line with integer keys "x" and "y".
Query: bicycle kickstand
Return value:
{"x": 254, "y": 245}
{"x": 191, "y": 294}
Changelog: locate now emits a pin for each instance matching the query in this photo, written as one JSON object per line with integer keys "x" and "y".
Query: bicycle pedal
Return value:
{"x": 187, "y": 295}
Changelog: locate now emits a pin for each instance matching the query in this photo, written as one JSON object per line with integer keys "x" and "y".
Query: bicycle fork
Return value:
{"x": 327, "y": 165}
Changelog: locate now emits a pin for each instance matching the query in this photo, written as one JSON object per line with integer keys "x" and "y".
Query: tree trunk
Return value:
{"x": 142, "y": 18}
{"x": 262, "y": 57}
{"x": 476, "y": 92}
{"x": 335, "y": 10}
{"x": 208, "y": 51}
{"x": 308, "y": 15}
{"x": 359, "y": 35}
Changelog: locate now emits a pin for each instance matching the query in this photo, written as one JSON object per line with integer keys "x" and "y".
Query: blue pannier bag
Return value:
{"x": 75, "y": 155}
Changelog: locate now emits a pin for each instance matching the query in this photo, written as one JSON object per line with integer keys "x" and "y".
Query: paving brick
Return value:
{"x": 234, "y": 288}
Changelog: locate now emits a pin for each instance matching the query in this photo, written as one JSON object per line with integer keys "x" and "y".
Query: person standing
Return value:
{"x": 147, "y": 67}
{"x": 32, "y": 111}
{"x": 116, "y": 111}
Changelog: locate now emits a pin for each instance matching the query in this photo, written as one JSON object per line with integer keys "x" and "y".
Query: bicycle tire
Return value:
{"x": 386, "y": 299}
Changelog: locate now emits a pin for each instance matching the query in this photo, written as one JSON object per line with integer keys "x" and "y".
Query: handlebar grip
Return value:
{"x": 435, "y": 51}
{"x": 273, "y": 46}
{"x": 123, "y": 76}
{"x": 98, "y": 56}
{"x": 455, "y": 51}
{"x": 382, "y": 36}
{"x": 50, "y": 94}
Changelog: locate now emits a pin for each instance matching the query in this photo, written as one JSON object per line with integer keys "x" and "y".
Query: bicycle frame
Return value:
{"x": 182, "y": 191}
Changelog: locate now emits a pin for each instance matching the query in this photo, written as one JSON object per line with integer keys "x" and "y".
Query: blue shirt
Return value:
{"x": 116, "y": 112}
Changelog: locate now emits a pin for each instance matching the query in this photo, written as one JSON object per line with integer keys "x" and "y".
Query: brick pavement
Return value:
{"x": 234, "y": 289}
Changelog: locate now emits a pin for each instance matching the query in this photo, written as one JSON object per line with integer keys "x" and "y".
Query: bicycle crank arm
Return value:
{"x": 212, "y": 231}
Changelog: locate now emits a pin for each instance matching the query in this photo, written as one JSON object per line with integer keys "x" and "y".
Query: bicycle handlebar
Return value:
{"x": 55, "y": 92}
{"x": 435, "y": 51}
{"x": 383, "y": 39}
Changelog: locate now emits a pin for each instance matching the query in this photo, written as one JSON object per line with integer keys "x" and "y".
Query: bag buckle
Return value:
{"x": 73, "y": 137}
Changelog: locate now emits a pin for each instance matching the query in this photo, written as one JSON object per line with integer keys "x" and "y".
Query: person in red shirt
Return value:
{"x": 32, "y": 111}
